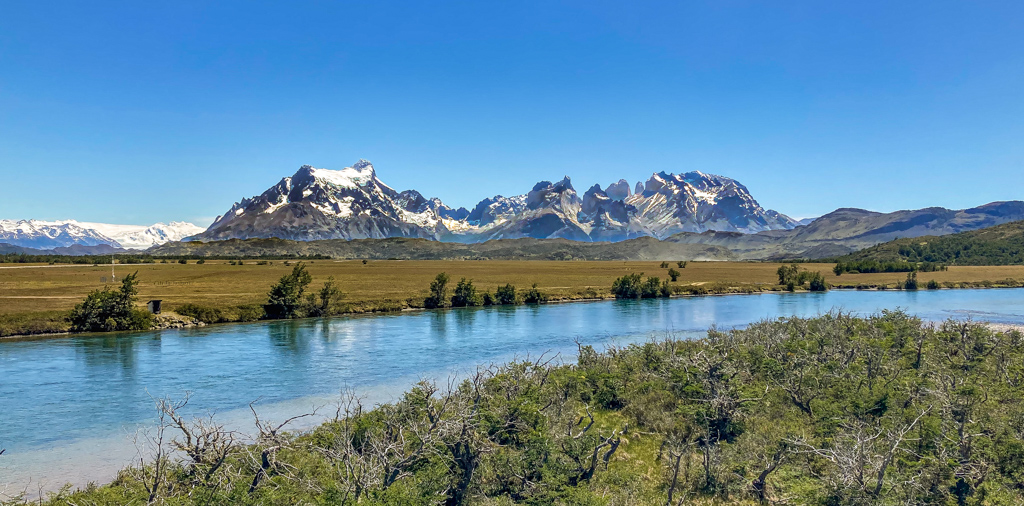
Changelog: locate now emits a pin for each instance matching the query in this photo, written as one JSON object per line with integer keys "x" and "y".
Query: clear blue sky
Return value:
{"x": 137, "y": 112}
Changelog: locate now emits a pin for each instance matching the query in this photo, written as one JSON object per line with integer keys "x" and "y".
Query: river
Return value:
{"x": 69, "y": 406}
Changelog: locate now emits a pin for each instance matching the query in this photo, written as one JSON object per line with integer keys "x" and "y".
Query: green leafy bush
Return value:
{"x": 205, "y": 314}
{"x": 629, "y": 286}
{"x": 438, "y": 297}
{"x": 534, "y": 296}
{"x": 107, "y": 310}
{"x": 911, "y": 282}
{"x": 505, "y": 295}
{"x": 286, "y": 298}
{"x": 465, "y": 294}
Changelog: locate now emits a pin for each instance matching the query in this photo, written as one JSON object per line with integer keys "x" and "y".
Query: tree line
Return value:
{"x": 466, "y": 294}
{"x": 875, "y": 266}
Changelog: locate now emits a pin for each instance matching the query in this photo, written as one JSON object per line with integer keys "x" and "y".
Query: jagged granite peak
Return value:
{"x": 695, "y": 202}
{"x": 496, "y": 209}
{"x": 560, "y": 195}
{"x": 639, "y": 188}
{"x": 354, "y": 203}
{"x": 618, "y": 190}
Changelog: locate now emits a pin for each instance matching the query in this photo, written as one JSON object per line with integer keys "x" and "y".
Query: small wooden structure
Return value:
{"x": 154, "y": 306}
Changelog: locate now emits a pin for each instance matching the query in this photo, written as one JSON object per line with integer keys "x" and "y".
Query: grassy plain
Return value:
{"x": 39, "y": 293}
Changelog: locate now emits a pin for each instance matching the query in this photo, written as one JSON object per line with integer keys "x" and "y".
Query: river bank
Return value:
{"x": 172, "y": 320}
{"x": 315, "y": 358}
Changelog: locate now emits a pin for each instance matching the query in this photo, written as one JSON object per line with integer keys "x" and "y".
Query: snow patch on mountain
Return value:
{"x": 353, "y": 203}
{"x": 62, "y": 233}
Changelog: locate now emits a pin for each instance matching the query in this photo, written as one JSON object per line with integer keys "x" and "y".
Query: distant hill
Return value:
{"x": 642, "y": 248}
{"x": 73, "y": 250}
{"x": 846, "y": 230}
{"x": 998, "y": 245}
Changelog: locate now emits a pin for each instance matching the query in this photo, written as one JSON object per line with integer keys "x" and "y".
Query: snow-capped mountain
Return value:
{"x": 696, "y": 202}
{"x": 56, "y": 234}
{"x": 350, "y": 203}
{"x": 353, "y": 203}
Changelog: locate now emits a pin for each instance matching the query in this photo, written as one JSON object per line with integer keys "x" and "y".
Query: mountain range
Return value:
{"x": 689, "y": 215}
{"x": 353, "y": 203}
{"x": 49, "y": 235}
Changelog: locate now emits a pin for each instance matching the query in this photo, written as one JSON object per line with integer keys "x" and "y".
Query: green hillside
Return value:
{"x": 998, "y": 245}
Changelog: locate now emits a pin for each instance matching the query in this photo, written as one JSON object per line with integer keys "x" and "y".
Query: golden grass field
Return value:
{"x": 387, "y": 283}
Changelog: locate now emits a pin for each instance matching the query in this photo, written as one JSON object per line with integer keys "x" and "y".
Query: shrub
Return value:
{"x": 438, "y": 292}
{"x": 911, "y": 282}
{"x": 788, "y": 275}
{"x": 488, "y": 299}
{"x": 182, "y": 261}
{"x": 818, "y": 283}
{"x": 628, "y": 286}
{"x": 250, "y": 312}
{"x": 327, "y": 301}
{"x": 664, "y": 265}
{"x": 201, "y": 261}
{"x": 465, "y": 294}
{"x": 653, "y": 288}
{"x": 933, "y": 285}
{"x": 285, "y": 299}
{"x": 505, "y": 295}
{"x": 204, "y": 314}
{"x": 673, "y": 274}
{"x": 533, "y": 296}
{"x": 681, "y": 264}
{"x": 106, "y": 310}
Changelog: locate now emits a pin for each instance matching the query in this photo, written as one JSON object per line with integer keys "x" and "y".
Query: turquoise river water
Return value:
{"x": 69, "y": 406}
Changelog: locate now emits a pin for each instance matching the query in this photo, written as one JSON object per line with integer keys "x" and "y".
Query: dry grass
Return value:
{"x": 218, "y": 284}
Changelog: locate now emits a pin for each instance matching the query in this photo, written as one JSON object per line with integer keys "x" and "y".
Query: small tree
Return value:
{"x": 465, "y": 294}
{"x": 628, "y": 286}
{"x": 674, "y": 274}
{"x": 201, "y": 261}
{"x": 182, "y": 261}
{"x": 285, "y": 299}
{"x": 681, "y": 264}
{"x": 911, "y": 282}
{"x": 505, "y": 295}
{"x": 933, "y": 285}
{"x": 533, "y": 296}
{"x": 664, "y": 265}
{"x": 106, "y": 310}
{"x": 788, "y": 274}
{"x": 327, "y": 301}
{"x": 818, "y": 283}
{"x": 653, "y": 288}
{"x": 438, "y": 292}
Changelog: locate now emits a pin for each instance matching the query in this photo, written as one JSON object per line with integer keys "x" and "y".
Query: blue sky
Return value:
{"x": 137, "y": 112}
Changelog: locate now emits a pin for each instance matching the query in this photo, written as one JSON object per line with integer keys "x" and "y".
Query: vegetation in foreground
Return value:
{"x": 830, "y": 410}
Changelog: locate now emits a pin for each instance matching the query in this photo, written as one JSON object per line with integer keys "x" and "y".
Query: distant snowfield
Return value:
{"x": 52, "y": 234}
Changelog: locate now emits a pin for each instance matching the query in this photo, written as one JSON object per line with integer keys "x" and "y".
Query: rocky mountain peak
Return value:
{"x": 618, "y": 190}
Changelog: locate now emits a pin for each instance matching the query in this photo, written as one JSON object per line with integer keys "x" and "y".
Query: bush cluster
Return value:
{"x": 833, "y": 410}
